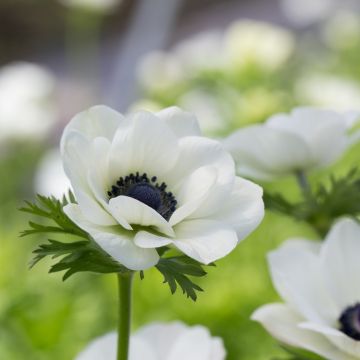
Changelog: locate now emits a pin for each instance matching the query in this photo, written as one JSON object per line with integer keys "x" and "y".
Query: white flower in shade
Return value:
{"x": 203, "y": 51}
{"x": 150, "y": 180}
{"x": 50, "y": 178}
{"x": 331, "y": 91}
{"x": 306, "y": 139}
{"x": 157, "y": 341}
{"x": 262, "y": 44}
{"x": 92, "y": 5}
{"x": 320, "y": 284}
{"x": 27, "y": 109}
{"x": 341, "y": 31}
{"x": 207, "y": 109}
{"x": 158, "y": 71}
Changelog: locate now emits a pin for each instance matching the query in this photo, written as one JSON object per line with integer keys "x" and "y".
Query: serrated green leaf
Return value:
{"x": 51, "y": 209}
{"x": 78, "y": 256}
{"x": 176, "y": 270}
{"x": 338, "y": 197}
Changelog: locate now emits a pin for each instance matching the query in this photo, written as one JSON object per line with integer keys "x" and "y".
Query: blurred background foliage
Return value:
{"x": 233, "y": 64}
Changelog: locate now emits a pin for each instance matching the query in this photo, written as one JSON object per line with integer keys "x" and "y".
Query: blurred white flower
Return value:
{"x": 50, "y": 178}
{"x": 328, "y": 91}
{"x": 159, "y": 71}
{"x": 155, "y": 171}
{"x": 203, "y": 51}
{"x": 158, "y": 341}
{"x": 92, "y": 5}
{"x": 342, "y": 30}
{"x": 320, "y": 284}
{"x": 27, "y": 110}
{"x": 262, "y": 44}
{"x": 206, "y": 108}
{"x": 307, "y": 138}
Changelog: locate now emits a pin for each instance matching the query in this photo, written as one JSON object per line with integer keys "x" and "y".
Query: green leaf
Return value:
{"x": 337, "y": 197}
{"x": 78, "y": 256}
{"x": 52, "y": 210}
{"x": 176, "y": 270}
{"x": 84, "y": 255}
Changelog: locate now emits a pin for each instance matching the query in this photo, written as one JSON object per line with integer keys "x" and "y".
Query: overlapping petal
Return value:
{"x": 303, "y": 140}
{"x": 320, "y": 285}
{"x": 283, "y": 323}
{"x": 207, "y": 210}
{"x": 160, "y": 341}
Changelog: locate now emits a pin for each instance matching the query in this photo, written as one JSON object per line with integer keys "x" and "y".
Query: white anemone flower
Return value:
{"x": 306, "y": 139}
{"x": 158, "y": 341}
{"x": 158, "y": 71}
{"x": 92, "y": 5}
{"x": 320, "y": 284}
{"x": 50, "y": 178}
{"x": 149, "y": 180}
{"x": 27, "y": 110}
{"x": 327, "y": 91}
{"x": 253, "y": 42}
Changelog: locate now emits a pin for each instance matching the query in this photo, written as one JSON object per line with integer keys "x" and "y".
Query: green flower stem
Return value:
{"x": 124, "y": 320}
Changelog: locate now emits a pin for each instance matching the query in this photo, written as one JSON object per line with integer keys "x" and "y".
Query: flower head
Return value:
{"x": 50, "y": 179}
{"x": 306, "y": 139}
{"x": 320, "y": 286}
{"x": 26, "y": 101}
{"x": 264, "y": 45}
{"x": 150, "y": 180}
{"x": 157, "y": 341}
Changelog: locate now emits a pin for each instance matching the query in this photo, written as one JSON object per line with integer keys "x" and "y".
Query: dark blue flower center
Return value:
{"x": 148, "y": 191}
{"x": 350, "y": 321}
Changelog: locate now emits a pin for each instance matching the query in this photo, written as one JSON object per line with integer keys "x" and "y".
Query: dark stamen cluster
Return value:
{"x": 350, "y": 321}
{"x": 146, "y": 190}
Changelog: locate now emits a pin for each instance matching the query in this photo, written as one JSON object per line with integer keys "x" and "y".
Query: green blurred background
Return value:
{"x": 88, "y": 56}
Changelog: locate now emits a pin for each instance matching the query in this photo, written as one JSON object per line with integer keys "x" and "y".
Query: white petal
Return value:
{"x": 244, "y": 209}
{"x": 117, "y": 243}
{"x": 137, "y": 213}
{"x": 76, "y": 155}
{"x": 218, "y": 351}
{"x": 122, "y": 248}
{"x": 143, "y": 143}
{"x": 297, "y": 276}
{"x": 349, "y": 346}
{"x": 194, "y": 344}
{"x": 182, "y": 123}
{"x": 145, "y": 239}
{"x": 267, "y": 153}
{"x": 94, "y": 212}
{"x": 283, "y": 324}
{"x": 162, "y": 337}
{"x": 196, "y": 152}
{"x": 141, "y": 349}
{"x": 76, "y": 214}
{"x": 102, "y": 348}
{"x": 193, "y": 192}
{"x": 98, "y": 121}
{"x": 205, "y": 240}
{"x": 301, "y": 244}
{"x": 98, "y": 173}
{"x": 340, "y": 262}
{"x": 324, "y": 131}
